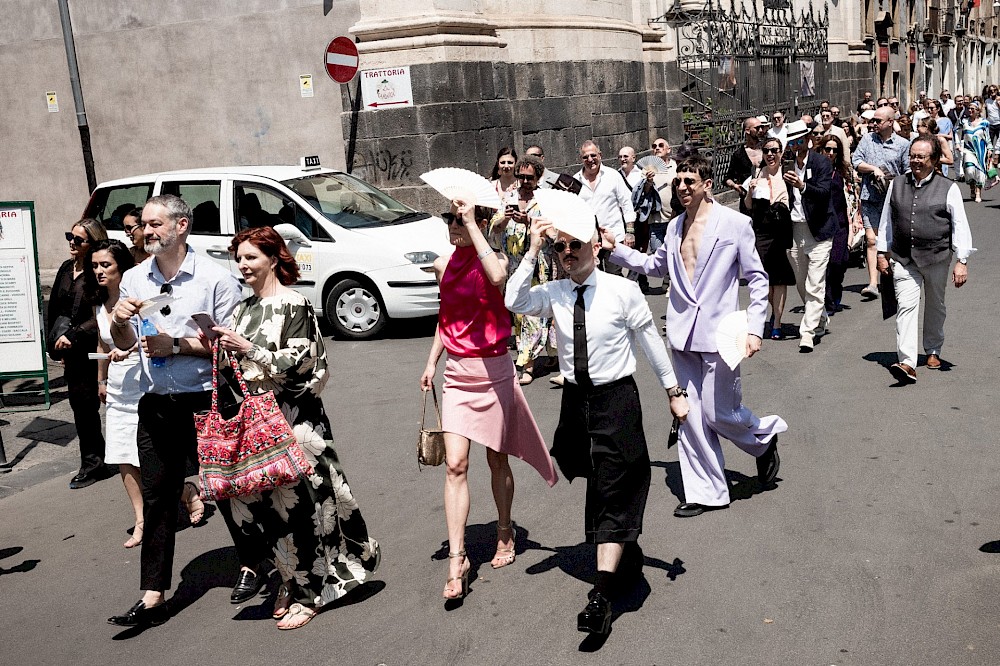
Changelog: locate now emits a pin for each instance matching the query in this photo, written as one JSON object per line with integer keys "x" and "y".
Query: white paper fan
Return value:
{"x": 731, "y": 338}
{"x": 654, "y": 162}
{"x": 462, "y": 184}
{"x": 568, "y": 213}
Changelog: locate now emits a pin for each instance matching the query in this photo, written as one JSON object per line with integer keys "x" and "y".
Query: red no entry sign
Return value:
{"x": 342, "y": 59}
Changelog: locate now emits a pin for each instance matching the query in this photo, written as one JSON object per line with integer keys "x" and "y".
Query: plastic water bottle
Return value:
{"x": 148, "y": 328}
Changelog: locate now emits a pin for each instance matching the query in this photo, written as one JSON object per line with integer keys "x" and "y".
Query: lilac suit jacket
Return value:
{"x": 696, "y": 307}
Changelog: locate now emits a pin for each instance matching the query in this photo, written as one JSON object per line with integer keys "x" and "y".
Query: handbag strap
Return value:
{"x": 437, "y": 408}
{"x": 236, "y": 370}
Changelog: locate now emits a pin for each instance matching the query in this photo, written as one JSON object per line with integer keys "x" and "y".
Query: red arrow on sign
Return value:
{"x": 378, "y": 104}
{"x": 341, "y": 59}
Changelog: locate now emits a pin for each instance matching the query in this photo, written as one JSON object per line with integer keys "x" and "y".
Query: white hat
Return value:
{"x": 796, "y": 128}
{"x": 568, "y": 213}
{"x": 764, "y": 120}
{"x": 868, "y": 115}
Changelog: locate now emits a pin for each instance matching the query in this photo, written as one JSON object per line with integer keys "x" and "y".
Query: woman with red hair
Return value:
{"x": 319, "y": 541}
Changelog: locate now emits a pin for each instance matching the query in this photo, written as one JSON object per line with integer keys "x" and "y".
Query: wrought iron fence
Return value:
{"x": 741, "y": 61}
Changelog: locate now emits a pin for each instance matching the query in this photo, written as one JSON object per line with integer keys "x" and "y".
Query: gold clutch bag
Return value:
{"x": 430, "y": 444}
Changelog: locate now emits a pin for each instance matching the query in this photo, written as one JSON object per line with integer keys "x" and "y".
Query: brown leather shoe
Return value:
{"x": 933, "y": 362}
{"x": 903, "y": 373}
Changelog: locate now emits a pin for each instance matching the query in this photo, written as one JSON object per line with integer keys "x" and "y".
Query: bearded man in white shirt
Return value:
{"x": 599, "y": 319}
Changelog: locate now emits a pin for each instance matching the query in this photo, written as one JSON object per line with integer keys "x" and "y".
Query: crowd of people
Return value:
{"x": 559, "y": 279}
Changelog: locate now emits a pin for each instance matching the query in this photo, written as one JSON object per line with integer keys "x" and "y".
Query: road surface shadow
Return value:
{"x": 741, "y": 486}
{"x": 992, "y": 547}
{"x": 23, "y": 567}
{"x": 887, "y": 359}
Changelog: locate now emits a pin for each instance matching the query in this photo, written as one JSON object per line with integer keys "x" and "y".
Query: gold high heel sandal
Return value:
{"x": 505, "y": 556}
{"x": 448, "y": 591}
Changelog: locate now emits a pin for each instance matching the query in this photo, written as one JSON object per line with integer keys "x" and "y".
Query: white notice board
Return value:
{"x": 387, "y": 88}
{"x": 22, "y": 343}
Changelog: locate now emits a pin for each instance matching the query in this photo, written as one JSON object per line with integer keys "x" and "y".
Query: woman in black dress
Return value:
{"x": 72, "y": 335}
{"x": 842, "y": 187}
{"x": 767, "y": 201}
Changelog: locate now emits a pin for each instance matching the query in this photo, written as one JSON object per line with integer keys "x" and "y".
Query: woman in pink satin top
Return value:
{"x": 481, "y": 401}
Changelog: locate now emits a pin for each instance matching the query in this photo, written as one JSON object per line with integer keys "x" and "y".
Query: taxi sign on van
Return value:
{"x": 309, "y": 162}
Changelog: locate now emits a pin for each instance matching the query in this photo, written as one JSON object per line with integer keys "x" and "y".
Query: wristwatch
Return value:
{"x": 177, "y": 347}
{"x": 676, "y": 392}
{"x": 964, "y": 262}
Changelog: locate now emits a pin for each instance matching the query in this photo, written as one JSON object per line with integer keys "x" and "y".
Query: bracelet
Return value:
{"x": 486, "y": 253}
{"x": 119, "y": 325}
{"x": 102, "y": 382}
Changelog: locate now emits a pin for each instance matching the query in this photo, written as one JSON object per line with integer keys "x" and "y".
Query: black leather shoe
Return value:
{"x": 768, "y": 464}
{"x": 596, "y": 617}
{"x": 690, "y": 509}
{"x": 247, "y": 586}
{"x": 82, "y": 480}
{"x": 140, "y": 616}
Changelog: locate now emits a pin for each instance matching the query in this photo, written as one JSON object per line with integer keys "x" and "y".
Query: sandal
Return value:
{"x": 195, "y": 507}
{"x": 296, "y": 611}
{"x": 526, "y": 377}
{"x": 504, "y": 556}
{"x": 282, "y": 602}
{"x": 449, "y": 591}
{"x": 776, "y": 334}
{"x": 136, "y": 538}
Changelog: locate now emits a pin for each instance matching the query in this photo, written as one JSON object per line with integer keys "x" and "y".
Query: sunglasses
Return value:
{"x": 830, "y": 149}
{"x": 130, "y": 228}
{"x": 881, "y": 105}
{"x": 166, "y": 289}
{"x": 659, "y": 145}
{"x": 817, "y": 133}
{"x": 528, "y": 177}
{"x": 450, "y": 218}
{"x": 535, "y": 154}
{"x": 574, "y": 246}
{"x": 76, "y": 240}
{"x": 687, "y": 181}
{"x": 591, "y": 156}
{"x": 772, "y": 151}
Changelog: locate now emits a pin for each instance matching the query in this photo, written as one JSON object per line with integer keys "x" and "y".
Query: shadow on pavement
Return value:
{"x": 992, "y": 547}
{"x": 23, "y": 567}
{"x": 741, "y": 486}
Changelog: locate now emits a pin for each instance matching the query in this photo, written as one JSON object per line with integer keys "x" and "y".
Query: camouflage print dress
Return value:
{"x": 319, "y": 540}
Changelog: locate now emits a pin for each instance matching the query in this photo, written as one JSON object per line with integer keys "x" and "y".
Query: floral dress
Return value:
{"x": 319, "y": 540}
{"x": 533, "y": 334}
{"x": 975, "y": 151}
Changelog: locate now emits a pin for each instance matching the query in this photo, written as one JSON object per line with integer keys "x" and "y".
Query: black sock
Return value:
{"x": 604, "y": 582}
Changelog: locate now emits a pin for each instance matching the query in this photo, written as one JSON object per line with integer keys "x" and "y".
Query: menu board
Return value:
{"x": 21, "y": 343}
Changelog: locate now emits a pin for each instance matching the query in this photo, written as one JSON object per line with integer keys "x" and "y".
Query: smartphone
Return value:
{"x": 205, "y": 322}
{"x": 788, "y": 166}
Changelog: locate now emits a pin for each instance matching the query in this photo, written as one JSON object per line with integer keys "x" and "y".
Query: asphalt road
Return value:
{"x": 880, "y": 544}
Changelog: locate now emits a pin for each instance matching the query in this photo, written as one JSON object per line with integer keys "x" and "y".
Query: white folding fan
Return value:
{"x": 654, "y": 162}
{"x": 453, "y": 183}
{"x": 731, "y": 338}
{"x": 567, "y": 212}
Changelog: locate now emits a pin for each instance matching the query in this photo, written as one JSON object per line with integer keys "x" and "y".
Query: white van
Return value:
{"x": 363, "y": 256}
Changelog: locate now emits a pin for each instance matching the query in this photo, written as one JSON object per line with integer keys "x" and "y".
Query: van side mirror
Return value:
{"x": 292, "y": 234}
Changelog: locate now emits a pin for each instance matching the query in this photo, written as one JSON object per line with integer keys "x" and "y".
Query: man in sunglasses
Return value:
{"x": 599, "y": 319}
{"x": 708, "y": 248}
{"x": 809, "y": 184}
{"x": 549, "y": 178}
{"x": 778, "y": 128}
{"x": 175, "y": 387}
{"x": 651, "y": 200}
{"x": 607, "y": 194}
{"x": 881, "y": 155}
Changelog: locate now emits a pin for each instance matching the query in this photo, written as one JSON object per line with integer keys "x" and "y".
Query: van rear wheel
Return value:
{"x": 354, "y": 310}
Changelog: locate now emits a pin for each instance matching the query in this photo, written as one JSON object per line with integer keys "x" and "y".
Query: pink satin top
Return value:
{"x": 473, "y": 321}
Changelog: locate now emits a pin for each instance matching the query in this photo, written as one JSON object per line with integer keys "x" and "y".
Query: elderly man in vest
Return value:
{"x": 923, "y": 227}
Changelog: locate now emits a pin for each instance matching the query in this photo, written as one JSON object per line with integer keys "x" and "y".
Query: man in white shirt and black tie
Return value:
{"x": 599, "y": 319}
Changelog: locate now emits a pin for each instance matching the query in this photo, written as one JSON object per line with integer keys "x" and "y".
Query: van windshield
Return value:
{"x": 350, "y": 202}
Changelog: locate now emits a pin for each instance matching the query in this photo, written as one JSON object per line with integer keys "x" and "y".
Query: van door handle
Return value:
{"x": 218, "y": 251}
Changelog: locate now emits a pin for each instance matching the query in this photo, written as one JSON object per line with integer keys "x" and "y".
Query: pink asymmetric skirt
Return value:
{"x": 483, "y": 402}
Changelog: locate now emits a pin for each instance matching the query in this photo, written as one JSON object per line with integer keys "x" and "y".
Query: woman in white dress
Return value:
{"x": 118, "y": 382}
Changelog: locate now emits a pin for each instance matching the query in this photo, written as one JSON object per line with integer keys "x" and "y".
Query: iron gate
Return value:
{"x": 743, "y": 61}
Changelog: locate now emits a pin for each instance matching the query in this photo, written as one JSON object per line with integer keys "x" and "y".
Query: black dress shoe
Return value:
{"x": 140, "y": 616}
{"x": 690, "y": 509}
{"x": 82, "y": 480}
{"x": 768, "y": 464}
{"x": 247, "y": 586}
{"x": 596, "y": 617}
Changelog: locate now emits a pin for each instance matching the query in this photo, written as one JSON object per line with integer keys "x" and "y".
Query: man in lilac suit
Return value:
{"x": 706, "y": 249}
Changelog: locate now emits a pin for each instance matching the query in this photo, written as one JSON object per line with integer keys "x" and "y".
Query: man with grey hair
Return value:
{"x": 607, "y": 194}
{"x": 176, "y": 380}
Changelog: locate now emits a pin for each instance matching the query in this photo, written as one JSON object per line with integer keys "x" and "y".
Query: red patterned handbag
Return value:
{"x": 254, "y": 451}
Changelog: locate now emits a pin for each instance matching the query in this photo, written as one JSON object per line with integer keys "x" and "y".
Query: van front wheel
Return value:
{"x": 354, "y": 310}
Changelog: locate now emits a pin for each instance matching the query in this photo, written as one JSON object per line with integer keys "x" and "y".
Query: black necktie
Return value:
{"x": 580, "y": 357}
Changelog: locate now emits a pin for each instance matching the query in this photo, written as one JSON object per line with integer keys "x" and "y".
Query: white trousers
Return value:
{"x": 715, "y": 398}
{"x": 907, "y": 277}
{"x": 809, "y": 259}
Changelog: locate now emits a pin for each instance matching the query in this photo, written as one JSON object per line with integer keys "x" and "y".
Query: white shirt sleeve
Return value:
{"x": 521, "y": 298}
{"x": 656, "y": 353}
{"x": 884, "y": 240}
{"x": 961, "y": 237}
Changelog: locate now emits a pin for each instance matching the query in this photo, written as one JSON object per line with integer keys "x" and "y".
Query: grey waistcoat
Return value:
{"x": 921, "y": 223}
